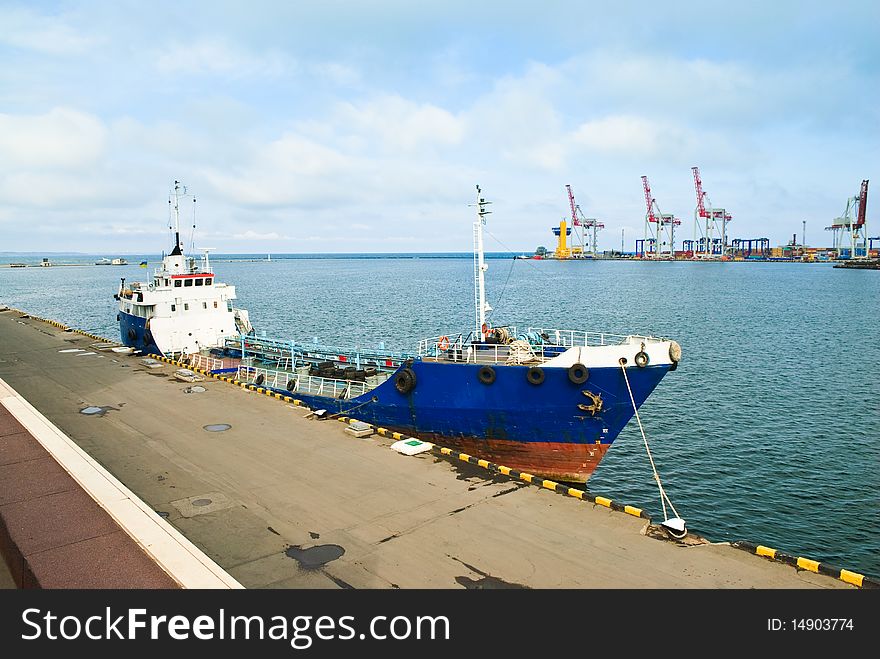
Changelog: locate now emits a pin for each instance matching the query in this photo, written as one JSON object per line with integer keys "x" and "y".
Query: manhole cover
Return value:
{"x": 202, "y": 502}
{"x": 92, "y": 410}
{"x": 197, "y": 389}
{"x": 217, "y": 427}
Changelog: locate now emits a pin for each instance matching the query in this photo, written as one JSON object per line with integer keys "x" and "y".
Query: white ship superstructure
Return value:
{"x": 183, "y": 309}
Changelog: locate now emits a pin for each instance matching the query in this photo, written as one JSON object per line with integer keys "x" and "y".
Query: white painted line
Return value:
{"x": 87, "y": 353}
{"x": 72, "y": 350}
{"x": 179, "y": 557}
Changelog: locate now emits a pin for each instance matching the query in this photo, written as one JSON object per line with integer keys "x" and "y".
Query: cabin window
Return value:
{"x": 229, "y": 305}
{"x": 199, "y": 281}
{"x": 173, "y": 308}
{"x": 185, "y": 306}
{"x": 204, "y": 305}
{"x": 187, "y": 282}
{"x": 215, "y": 304}
{"x": 168, "y": 282}
{"x": 208, "y": 281}
{"x": 177, "y": 283}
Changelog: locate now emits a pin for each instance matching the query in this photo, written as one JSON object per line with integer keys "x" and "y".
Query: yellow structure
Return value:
{"x": 562, "y": 249}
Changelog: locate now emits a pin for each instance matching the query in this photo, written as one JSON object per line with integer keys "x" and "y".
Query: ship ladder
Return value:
{"x": 675, "y": 526}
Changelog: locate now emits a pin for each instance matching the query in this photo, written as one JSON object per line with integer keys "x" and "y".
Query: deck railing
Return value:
{"x": 303, "y": 383}
{"x": 206, "y": 362}
{"x": 535, "y": 346}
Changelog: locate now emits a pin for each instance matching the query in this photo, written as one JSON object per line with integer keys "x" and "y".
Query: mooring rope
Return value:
{"x": 664, "y": 498}
{"x": 349, "y": 411}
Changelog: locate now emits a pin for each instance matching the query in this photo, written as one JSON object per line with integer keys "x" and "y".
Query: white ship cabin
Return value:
{"x": 183, "y": 308}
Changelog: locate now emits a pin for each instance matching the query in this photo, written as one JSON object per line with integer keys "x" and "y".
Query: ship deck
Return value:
{"x": 279, "y": 484}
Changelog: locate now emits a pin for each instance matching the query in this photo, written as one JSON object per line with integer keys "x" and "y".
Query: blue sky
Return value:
{"x": 364, "y": 126}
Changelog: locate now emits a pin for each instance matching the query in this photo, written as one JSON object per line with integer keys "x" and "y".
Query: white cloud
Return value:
{"x": 60, "y": 138}
{"x": 48, "y": 34}
{"x": 626, "y": 134}
{"x": 219, "y": 57}
{"x": 336, "y": 73}
{"x": 395, "y": 123}
{"x": 520, "y": 120}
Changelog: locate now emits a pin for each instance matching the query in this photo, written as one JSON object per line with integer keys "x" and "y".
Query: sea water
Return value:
{"x": 769, "y": 431}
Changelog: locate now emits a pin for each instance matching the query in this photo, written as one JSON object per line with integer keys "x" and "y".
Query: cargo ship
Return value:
{"x": 542, "y": 400}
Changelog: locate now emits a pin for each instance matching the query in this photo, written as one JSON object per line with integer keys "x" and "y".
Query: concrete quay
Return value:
{"x": 282, "y": 500}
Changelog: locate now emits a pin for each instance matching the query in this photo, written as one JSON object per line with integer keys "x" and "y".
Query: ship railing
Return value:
{"x": 303, "y": 383}
{"x": 298, "y": 353}
{"x": 507, "y": 351}
{"x": 535, "y": 346}
{"x": 206, "y": 362}
{"x": 437, "y": 346}
{"x": 573, "y": 338}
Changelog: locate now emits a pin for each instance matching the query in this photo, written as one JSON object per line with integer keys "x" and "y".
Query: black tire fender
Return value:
{"x": 259, "y": 379}
{"x": 535, "y": 375}
{"x": 578, "y": 373}
{"x": 405, "y": 380}
{"x": 486, "y": 374}
{"x": 641, "y": 359}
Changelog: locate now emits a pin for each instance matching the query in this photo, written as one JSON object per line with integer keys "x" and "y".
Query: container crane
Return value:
{"x": 851, "y": 227}
{"x": 659, "y": 240}
{"x": 710, "y": 223}
{"x": 585, "y": 228}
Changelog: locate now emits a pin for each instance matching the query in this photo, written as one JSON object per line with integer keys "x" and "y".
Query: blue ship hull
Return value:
{"x": 134, "y": 333}
{"x": 532, "y": 427}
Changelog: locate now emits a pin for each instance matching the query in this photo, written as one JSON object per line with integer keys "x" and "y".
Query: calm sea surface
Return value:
{"x": 769, "y": 431}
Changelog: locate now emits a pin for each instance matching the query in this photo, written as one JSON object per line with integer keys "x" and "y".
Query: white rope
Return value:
{"x": 520, "y": 352}
{"x": 664, "y": 499}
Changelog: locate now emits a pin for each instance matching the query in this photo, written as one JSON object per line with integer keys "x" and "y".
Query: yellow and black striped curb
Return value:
{"x": 854, "y": 578}
{"x": 438, "y": 450}
{"x": 25, "y": 314}
{"x": 62, "y": 326}
{"x": 224, "y": 378}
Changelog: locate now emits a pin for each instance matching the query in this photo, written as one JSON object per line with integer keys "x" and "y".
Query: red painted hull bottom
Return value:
{"x": 558, "y": 461}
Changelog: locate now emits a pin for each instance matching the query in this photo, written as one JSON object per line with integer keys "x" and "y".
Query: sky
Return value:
{"x": 307, "y": 127}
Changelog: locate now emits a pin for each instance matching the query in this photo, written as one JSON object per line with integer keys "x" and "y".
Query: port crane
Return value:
{"x": 659, "y": 240}
{"x": 850, "y": 229}
{"x": 710, "y": 223}
{"x": 586, "y": 228}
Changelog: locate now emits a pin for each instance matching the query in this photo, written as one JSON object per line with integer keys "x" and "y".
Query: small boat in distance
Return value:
{"x": 116, "y": 261}
{"x": 549, "y": 402}
{"x": 103, "y": 261}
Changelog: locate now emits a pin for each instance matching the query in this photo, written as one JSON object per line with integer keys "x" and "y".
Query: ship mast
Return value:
{"x": 176, "y": 210}
{"x": 480, "y": 267}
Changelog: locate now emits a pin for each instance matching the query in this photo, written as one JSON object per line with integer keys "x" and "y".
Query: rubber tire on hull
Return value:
{"x": 641, "y": 359}
{"x": 405, "y": 381}
{"x": 259, "y": 379}
{"x": 291, "y": 385}
{"x": 486, "y": 374}
{"x": 535, "y": 375}
{"x": 132, "y": 334}
{"x": 578, "y": 373}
